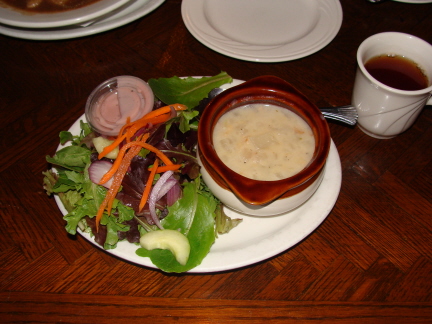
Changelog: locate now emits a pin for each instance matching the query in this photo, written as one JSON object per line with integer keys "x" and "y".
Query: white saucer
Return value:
{"x": 256, "y": 238}
{"x": 263, "y": 31}
{"x": 133, "y": 10}
{"x": 71, "y": 17}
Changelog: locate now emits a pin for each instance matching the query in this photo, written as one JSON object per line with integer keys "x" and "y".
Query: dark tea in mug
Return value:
{"x": 397, "y": 72}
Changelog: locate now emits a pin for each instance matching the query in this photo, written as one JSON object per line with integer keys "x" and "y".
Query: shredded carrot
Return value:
{"x": 147, "y": 121}
{"x": 149, "y": 147}
{"x": 122, "y": 152}
{"x": 148, "y": 186}
{"x": 120, "y": 138}
{"x": 112, "y": 146}
{"x": 158, "y": 152}
{"x": 129, "y": 151}
{"x": 118, "y": 178}
{"x": 125, "y": 126}
{"x": 154, "y": 117}
{"x": 164, "y": 110}
{"x": 165, "y": 168}
{"x": 119, "y": 158}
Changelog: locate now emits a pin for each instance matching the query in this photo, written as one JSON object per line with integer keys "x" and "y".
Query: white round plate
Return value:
{"x": 131, "y": 11}
{"x": 263, "y": 31}
{"x": 15, "y": 18}
{"x": 256, "y": 238}
{"x": 414, "y": 1}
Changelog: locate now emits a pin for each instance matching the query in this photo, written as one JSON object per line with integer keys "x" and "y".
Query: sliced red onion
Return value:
{"x": 173, "y": 112}
{"x": 154, "y": 196}
{"x": 166, "y": 187}
{"x": 142, "y": 130}
{"x": 97, "y": 170}
{"x": 174, "y": 193}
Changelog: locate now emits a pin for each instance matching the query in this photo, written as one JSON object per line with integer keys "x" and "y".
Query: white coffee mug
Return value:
{"x": 384, "y": 112}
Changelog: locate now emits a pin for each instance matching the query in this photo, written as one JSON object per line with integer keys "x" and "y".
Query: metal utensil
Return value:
{"x": 345, "y": 114}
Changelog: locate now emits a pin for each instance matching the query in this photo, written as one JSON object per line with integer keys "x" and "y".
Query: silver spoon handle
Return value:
{"x": 346, "y": 114}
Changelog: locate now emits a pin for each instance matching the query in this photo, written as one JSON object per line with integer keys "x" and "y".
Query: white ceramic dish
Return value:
{"x": 273, "y": 208}
{"x": 253, "y": 30}
{"x": 133, "y": 10}
{"x": 256, "y": 238}
{"x": 414, "y": 1}
{"x": 277, "y": 207}
{"x": 15, "y": 18}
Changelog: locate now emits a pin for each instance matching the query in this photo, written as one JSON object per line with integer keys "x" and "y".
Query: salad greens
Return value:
{"x": 187, "y": 91}
{"x": 194, "y": 216}
{"x": 195, "y": 213}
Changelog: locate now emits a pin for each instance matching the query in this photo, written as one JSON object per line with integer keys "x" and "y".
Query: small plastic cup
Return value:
{"x": 116, "y": 100}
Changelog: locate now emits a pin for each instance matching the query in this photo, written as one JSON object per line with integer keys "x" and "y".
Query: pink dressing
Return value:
{"x": 116, "y": 100}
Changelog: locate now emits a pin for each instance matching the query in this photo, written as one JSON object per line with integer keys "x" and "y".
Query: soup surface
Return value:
{"x": 263, "y": 142}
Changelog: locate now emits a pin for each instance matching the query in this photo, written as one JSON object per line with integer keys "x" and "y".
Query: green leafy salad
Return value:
{"x": 144, "y": 185}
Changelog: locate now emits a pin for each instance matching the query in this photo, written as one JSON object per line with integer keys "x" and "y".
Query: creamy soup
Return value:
{"x": 263, "y": 142}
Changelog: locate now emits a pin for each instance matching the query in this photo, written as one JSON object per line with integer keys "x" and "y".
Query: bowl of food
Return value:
{"x": 262, "y": 147}
{"x": 55, "y": 13}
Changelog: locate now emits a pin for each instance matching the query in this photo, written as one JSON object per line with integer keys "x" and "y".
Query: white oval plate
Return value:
{"x": 263, "y": 31}
{"x": 256, "y": 238}
{"x": 131, "y": 11}
{"x": 15, "y": 18}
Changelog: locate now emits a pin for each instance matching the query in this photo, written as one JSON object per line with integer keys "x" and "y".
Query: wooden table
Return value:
{"x": 369, "y": 262}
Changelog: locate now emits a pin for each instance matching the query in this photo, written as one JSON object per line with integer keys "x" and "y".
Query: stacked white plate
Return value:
{"x": 96, "y": 18}
{"x": 263, "y": 31}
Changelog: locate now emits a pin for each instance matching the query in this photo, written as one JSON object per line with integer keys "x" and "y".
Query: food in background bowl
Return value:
{"x": 46, "y": 6}
{"x": 257, "y": 196}
{"x": 54, "y": 13}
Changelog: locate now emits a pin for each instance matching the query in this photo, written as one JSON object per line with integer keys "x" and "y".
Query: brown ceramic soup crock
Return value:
{"x": 288, "y": 193}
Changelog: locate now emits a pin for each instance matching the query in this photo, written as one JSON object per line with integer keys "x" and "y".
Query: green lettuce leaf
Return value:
{"x": 114, "y": 225}
{"x": 85, "y": 197}
{"x": 79, "y": 195}
{"x": 71, "y": 157}
{"x": 188, "y": 91}
{"x": 193, "y": 215}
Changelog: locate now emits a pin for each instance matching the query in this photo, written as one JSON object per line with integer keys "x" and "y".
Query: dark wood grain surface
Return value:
{"x": 369, "y": 262}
